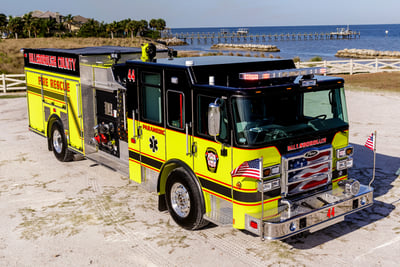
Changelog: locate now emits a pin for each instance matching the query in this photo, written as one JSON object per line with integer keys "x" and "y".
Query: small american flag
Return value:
{"x": 370, "y": 143}
{"x": 251, "y": 169}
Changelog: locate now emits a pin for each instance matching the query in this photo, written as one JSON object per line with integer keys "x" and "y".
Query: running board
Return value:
{"x": 221, "y": 212}
{"x": 110, "y": 162}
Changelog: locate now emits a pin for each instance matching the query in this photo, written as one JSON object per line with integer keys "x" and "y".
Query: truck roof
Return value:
{"x": 213, "y": 60}
{"x": 94, "y": 50}
{"x": 222, "y": 68}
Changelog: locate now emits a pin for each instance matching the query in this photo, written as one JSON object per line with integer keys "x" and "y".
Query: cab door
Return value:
{"x": 212, "y": 160}
{"x": 151, "y": 127}
{"x": 179, "y": 119}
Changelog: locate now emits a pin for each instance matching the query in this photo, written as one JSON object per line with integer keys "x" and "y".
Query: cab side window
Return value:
{"x": 151, "y": 97}
{"x": 176, "y": 109}
{"x": 202, "y": 117}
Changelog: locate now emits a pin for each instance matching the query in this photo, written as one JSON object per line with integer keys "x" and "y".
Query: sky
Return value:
{"x": 221, "y": 13}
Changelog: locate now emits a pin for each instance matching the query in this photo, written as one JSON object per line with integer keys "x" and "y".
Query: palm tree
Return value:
{"x": 3, "y": 22}
{"x": 153, "y": 24}
{"x": 89, "y": 29}
{"x": 50, "y": 25}
{"x": 160, "y": 24}
{"x": 36, "y": 26}
{"x": 133, "y": 27}
{"x": 69, "y": 19}
{"x": 143, "y": 26}
{"x": 112, "y": 27}
{"x": 28, "y": 19}
{"x": 124, "y": 26}
{"x": 15, "y": 25}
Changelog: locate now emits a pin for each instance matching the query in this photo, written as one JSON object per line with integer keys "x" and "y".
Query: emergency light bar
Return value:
{"x": 273, "y": 74}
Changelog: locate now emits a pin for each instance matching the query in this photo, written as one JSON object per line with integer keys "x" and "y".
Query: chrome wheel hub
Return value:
{"x": 180, "y": 200}
{"x": 57, "y": 141}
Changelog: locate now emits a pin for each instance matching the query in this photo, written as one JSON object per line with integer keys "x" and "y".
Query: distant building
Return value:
{"x": 80, "y": 20}
{"x": 48, "y": 15}
{"x": 77, "y": 22}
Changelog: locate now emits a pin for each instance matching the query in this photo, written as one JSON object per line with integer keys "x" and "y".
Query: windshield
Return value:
{"x": 267, "y": 118}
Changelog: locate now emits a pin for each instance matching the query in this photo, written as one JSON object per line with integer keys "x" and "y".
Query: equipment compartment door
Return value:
{"x": 75, "y": 115}
{"x": 35, "y": 101}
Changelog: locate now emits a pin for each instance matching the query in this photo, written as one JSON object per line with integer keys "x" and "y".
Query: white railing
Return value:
{"x": 354, "y": 65}
{"x": 12, "y": 82}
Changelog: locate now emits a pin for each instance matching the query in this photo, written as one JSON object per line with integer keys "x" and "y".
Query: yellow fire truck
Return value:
{"x": 187, "y": 128}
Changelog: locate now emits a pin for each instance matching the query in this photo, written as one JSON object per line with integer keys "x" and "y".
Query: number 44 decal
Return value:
{"x": 131, "y": 75}
{"x": 331, "y": 212}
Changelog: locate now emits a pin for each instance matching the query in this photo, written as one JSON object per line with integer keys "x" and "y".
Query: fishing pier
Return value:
{"x": 234, "y": 37}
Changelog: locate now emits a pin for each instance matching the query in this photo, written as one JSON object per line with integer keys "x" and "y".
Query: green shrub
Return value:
{"x": 317, "y": 58}
{"x": 296, "y": 59}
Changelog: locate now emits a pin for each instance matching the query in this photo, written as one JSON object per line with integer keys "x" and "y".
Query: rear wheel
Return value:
{"x": 59, "y": 143}
{"x": 184, "y": 200}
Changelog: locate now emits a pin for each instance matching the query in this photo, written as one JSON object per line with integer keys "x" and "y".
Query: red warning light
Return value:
{"x": 254, "y": 224}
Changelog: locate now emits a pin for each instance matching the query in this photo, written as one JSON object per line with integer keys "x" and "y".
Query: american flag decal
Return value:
{"x": 251, "y": 169}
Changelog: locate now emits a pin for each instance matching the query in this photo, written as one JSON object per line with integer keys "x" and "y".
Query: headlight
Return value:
{"x": 271, "y": 171}
{"x": 344, "y": 152}
{"x": 269, "y": 185}
{"x": 344, "y": 164}
{"x": 350, "y": 186}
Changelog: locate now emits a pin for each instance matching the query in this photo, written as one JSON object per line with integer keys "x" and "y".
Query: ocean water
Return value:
{"x": 371, "y": 37}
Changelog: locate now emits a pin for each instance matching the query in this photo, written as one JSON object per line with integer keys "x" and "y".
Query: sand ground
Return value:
{"x": 82, "y": 214}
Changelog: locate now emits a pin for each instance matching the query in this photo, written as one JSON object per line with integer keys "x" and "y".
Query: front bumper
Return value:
{"x": 310, "y": 214}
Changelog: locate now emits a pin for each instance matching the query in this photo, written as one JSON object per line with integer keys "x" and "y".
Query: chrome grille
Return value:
{"x": 307, "y": 170}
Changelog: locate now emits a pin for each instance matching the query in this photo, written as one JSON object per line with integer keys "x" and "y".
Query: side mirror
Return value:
{"x": 214, "y": 117}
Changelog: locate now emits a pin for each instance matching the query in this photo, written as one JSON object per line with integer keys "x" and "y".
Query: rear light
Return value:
{"x": 254, "y": 224}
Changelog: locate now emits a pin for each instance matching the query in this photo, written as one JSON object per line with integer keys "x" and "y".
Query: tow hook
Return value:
{"x": 289, "y": 204}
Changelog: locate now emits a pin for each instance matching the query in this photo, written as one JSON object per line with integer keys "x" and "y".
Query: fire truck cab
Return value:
{"x": 180, "y": 126}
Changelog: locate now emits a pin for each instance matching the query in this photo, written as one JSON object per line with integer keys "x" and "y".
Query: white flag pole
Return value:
{"x": 262, "y": 198}
{"x": 373, "y": 170}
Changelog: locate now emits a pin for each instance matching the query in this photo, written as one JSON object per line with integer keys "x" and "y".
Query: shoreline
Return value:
{"x": 246, "y": 47}
{"x": 367, "y": 54}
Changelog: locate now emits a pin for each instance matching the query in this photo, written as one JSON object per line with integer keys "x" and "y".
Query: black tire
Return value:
{"x": 184, "y": 200}
{"x": 58, "y": 142}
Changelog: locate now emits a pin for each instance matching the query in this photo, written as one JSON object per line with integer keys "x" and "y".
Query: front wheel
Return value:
{"x": 59, "y": 143}
{"x": 184, "y": 200}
